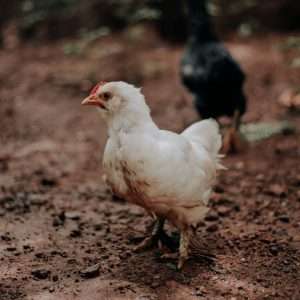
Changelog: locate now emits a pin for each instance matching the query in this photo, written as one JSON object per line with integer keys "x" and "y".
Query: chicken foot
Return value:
{"x": 154, "y": 237}
{"x": 184, "y": 245}
{"x": 233, "y": 142}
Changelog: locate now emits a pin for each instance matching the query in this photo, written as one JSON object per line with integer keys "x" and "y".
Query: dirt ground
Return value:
{"x": 57, "y": 218}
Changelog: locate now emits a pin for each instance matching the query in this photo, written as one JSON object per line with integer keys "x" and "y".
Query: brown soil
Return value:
{"x": 57, "y": 219}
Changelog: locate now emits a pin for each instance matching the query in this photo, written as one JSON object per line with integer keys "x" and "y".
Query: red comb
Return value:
{"x": 95, "y": 88}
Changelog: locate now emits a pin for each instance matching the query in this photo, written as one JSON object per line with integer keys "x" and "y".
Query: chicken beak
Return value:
{"x": 92, "y": 100}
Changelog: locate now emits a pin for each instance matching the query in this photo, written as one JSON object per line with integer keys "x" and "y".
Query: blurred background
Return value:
{"x": 142, "y": 42}
{"x": 56, "y": 213}
{"x": 53, "y": 19}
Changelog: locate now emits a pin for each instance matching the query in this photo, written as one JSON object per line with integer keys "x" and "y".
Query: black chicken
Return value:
{"x": 212, "y": 75}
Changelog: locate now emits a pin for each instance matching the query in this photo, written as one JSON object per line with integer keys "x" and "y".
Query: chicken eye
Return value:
{"x": 106, "y": 96}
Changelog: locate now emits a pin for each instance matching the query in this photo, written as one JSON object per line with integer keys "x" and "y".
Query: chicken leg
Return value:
{"x": 185, "y": 238}
{"x": 189, "y": 246}
{"x": 154, "y": 237}
{"x": 233, "y": 141}
{"x": 184, "y": 244}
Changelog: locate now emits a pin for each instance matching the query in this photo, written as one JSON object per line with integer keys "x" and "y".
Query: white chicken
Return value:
{"x": 170, "y": 175}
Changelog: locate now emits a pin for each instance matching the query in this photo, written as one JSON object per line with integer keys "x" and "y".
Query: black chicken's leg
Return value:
{"x": 233, "y": 141}
{"x": 154, "y": 237}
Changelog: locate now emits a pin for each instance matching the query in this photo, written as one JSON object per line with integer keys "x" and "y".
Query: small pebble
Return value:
{"x": 73, "y": 215}
{"x": 41, "y": 273}
{"x": 11, "y": 249}
{"x": 284, "y": 219}
{"x": 75, "y": 233}
{"x": 91, "y": 272}
{"x": 274, "y": 250}
{"x": 212, "y": 216}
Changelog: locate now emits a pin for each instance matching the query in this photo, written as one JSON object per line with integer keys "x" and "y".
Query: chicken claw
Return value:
{"x": 154, "y": 237}
{"x": 169, "y": 255}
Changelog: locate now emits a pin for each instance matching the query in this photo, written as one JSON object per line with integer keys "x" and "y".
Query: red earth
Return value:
{"x": 58, "y": 219}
